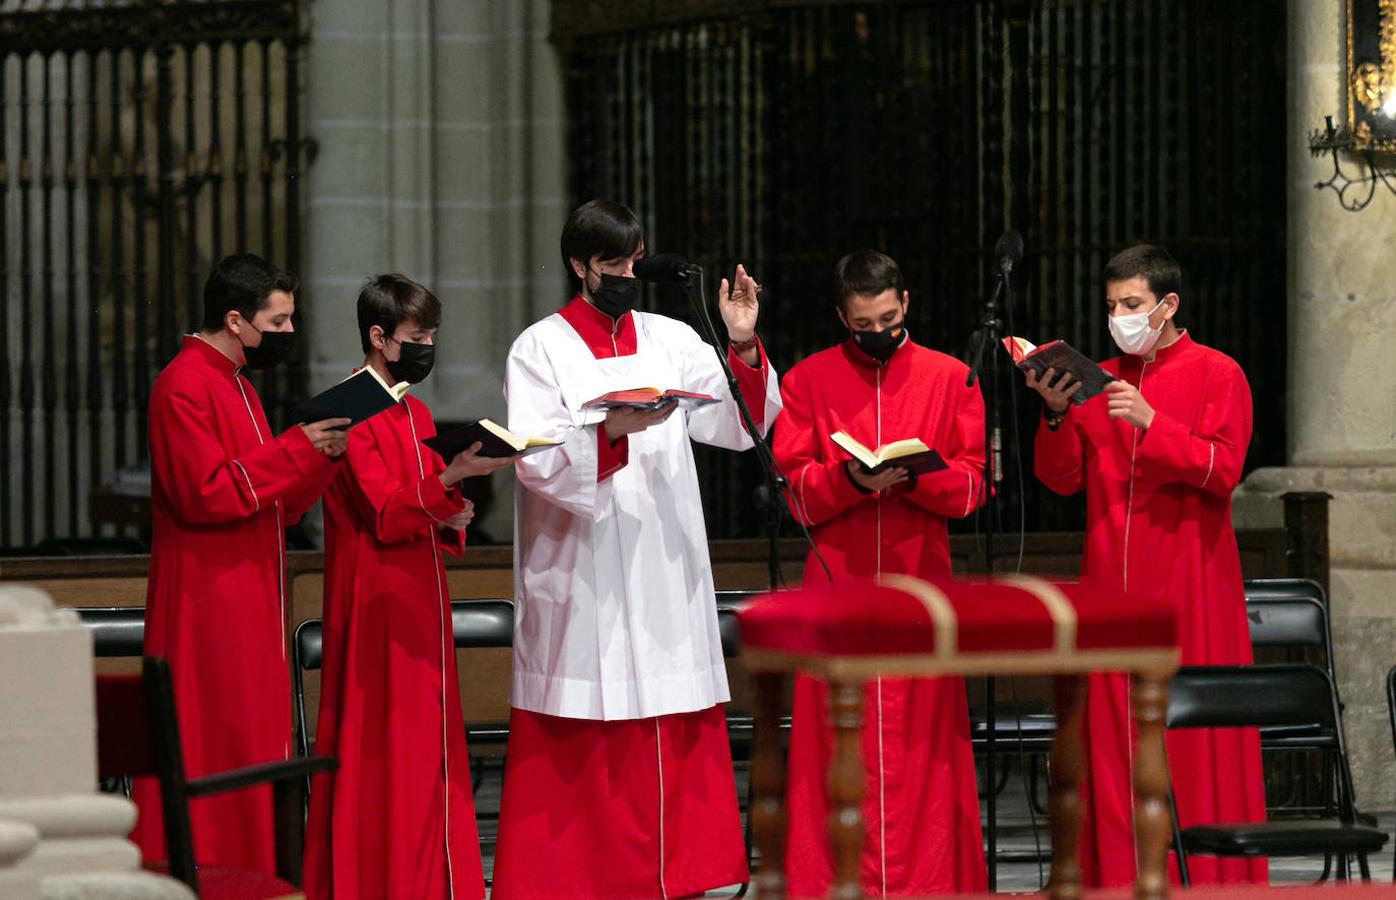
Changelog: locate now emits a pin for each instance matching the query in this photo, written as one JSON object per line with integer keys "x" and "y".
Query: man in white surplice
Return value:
{"x": 618, "y": 766}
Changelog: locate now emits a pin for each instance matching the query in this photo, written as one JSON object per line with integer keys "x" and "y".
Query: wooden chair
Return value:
{"x": 138, "y": 735}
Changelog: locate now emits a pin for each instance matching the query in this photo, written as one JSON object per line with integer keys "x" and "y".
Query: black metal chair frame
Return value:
{"x": 1293, "y": 612}
{"x": 1235, "y": 696}
{"x": 176, "y": 790}
{"x": 1391, "y": 712}
{"x": 117, "y": 631}
{"x": 475, "y": 624}
{"x": 1281, "y": 612}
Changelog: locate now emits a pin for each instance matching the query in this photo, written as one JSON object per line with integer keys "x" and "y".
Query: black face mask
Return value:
{"x": 274, "y": 348}
{"x": 413, "y": 363}
{"x": 880, "y": 345}
{"x": 616, "y": 295}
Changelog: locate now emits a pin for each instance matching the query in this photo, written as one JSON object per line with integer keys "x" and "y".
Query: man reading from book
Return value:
{"x": 389, "y": 703}
{"x": 1158, "y": 459}
{"x": 878, "y": 387}
{"x": 619, "y": 770}
{"x": 223, "y": 490}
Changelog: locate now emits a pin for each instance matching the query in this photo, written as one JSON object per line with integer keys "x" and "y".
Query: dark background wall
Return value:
{"x": 785, "y": 134}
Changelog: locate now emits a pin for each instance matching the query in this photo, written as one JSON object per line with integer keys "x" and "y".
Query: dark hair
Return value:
{"x": 866, "y": 273}
{"x": 1148, "y": 261}
{"x": 389, "y": 300}
{"x": 599, "y": 228}
{"x": 242, "y": 282}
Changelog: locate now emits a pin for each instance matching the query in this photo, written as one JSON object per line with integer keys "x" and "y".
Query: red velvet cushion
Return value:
{"x": 219, "y": 883}
{"x": 860, "y": 618}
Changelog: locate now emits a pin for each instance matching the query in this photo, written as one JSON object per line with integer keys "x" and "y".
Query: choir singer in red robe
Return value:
{"x": 396, "y": 818}
{"x": 223, "y": 489}
{"x": 1158, "y": 457}
{"x": 619, "y": 784}
{"x": 920, "y": 803}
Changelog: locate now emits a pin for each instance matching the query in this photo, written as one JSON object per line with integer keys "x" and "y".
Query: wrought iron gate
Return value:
{"x": 785, "y": 134}
{"x": 141, "y": 142}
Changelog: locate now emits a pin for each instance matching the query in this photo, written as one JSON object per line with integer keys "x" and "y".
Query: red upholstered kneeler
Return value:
{"x": 851, "y": 631}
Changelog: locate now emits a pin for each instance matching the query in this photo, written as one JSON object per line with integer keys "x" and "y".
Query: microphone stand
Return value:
{"x": 986, "y": 338}
{"x": 777, "y": 484}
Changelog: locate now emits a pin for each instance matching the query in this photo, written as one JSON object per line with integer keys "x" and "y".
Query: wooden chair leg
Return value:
{"x": 766, "y": 811}
{"x": 846, "y": 789}
{"x": 1064, "y": 791}
{"x": 1151, "y": 817}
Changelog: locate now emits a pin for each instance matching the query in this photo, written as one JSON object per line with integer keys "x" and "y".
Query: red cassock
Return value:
{"x": 396, "y": 818}
{"x": 920, "y": 806}
{"x": 223, "y": 488}
{"x": 1158, "y": 521}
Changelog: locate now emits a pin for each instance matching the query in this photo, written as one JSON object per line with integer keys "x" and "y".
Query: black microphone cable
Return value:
{"x": 1018, "y": 570}
{"x": 666, "y": 263}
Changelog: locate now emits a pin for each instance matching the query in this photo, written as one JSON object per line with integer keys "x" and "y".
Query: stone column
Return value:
{"x": 440, "y": 131}
{"x": 48, "y": 765}
{"x": 1342, "y": 381}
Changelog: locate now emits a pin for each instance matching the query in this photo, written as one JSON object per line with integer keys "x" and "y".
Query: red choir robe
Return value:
{"x": 223, "y": 488}
{"x": 1158, "y": 520}
{"x": 920, "y": 802}
{"x": 629, "y": 808}
{"x": 396, "y": 819}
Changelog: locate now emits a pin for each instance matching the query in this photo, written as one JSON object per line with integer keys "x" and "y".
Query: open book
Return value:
{"x": 649, "y": 398}
{"x": 1063, "y": 357}
{"x": 358, "y": 397}
{"x": 496, "y": 441}
{"x": 911, "y": 454}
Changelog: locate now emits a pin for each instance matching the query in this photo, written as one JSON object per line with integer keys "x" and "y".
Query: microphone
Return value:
{"x": 1008, "y": 252}
{"x": 665, "y": 267}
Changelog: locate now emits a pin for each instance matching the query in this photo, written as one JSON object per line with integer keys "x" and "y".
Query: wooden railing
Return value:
{"x": 487, "y": 572}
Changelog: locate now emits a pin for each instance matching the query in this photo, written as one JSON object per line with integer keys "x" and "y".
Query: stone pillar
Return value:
{"x": 48, "y": 764}
{"x": 440, "y": 131}
{"x": 1342, "y": 380}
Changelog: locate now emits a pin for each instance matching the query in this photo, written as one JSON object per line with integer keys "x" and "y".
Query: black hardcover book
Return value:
{"x": 495, "y": 441}
{"x": 1062, "y": 357}
{"x": 358, "y": 397}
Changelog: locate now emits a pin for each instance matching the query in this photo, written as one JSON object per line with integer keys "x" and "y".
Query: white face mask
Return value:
{"x": 1132, "y": 333}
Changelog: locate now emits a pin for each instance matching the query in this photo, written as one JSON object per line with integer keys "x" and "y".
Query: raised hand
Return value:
{"x": 738, "y": 305}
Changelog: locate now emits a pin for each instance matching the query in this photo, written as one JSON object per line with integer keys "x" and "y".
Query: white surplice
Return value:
{"x": 614, "y": 607}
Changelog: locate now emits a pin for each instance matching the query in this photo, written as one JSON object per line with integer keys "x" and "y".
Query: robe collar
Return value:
{"x": 1164, "y": 354}
{"x": 210, "y": 354}
{"x": 605, "y": 337}
{"x": 856, "y": 355}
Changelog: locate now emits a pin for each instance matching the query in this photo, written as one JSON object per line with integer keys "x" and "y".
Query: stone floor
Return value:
{"x": 1019, "y": 838}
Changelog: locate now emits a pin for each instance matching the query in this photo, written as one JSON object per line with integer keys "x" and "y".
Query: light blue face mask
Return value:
{"x": 1132, "y": 333}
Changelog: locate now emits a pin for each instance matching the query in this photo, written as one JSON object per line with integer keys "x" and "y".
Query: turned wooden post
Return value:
{"x": 846, "y": 788}
{"x": 1151, "y": 817}
{"x": 1064, "y": 803}
{"x": 768, "y": 785}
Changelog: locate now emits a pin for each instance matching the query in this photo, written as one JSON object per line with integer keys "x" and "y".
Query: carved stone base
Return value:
{"x": 59, "y": 837}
